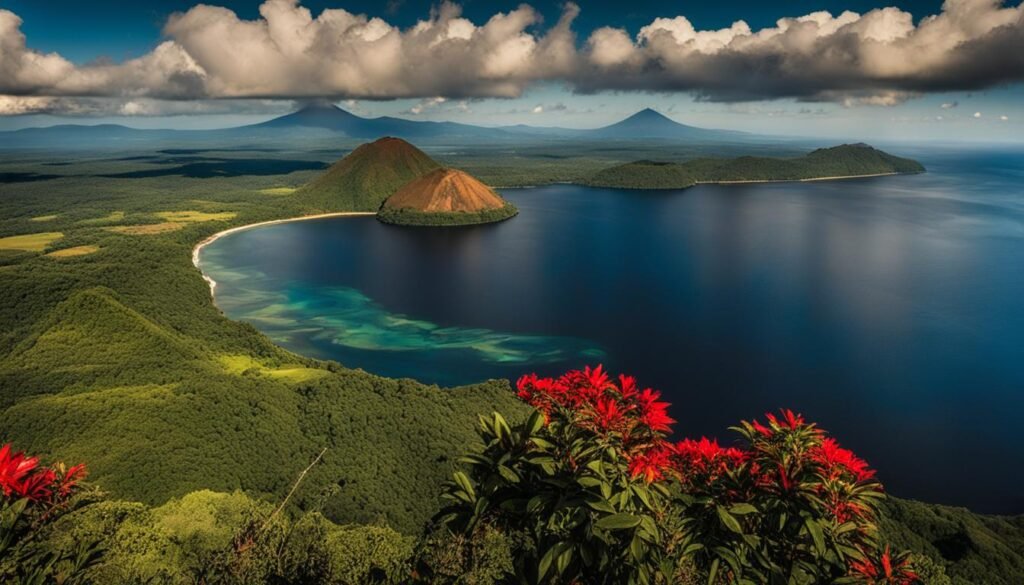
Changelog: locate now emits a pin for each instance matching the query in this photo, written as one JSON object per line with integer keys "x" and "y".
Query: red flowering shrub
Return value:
{"x": 31, "y": 497}
{"x": 562, "y": 483}
{"x": 22, "y": 477}
{"x": 605, "y": 497}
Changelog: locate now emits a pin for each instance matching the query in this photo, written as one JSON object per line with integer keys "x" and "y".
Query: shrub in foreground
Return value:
{"x": 32, "y": 497}
{"x": 596, "y": 493}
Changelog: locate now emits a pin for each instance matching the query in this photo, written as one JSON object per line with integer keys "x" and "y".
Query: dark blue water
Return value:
{"x": 890, "y": 310}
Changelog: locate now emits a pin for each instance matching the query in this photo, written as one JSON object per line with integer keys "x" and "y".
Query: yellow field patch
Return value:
{"x": 292, "y": 373}
{"x": 296, "y": 375}
{"x": 147, "y": 229}
{"x": 195, "y": 216}
{"x": 236, "y": 364}
{"x": 279, "y": 190}
{"x": 30, "y": 242}
{"x": 76, "y": 251}
{"x": 45, "y": 218}
{"x": 112, "y": 217}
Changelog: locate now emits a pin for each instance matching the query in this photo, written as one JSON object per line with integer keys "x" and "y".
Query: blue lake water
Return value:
{"x": 890, "y": 310}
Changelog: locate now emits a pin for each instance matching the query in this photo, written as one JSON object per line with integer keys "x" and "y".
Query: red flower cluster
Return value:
{"x": 22, "y": 477}
{"x": 839, "y": 463}
{"x": 592, "y": 400}
{"x": 784, "y": 461}
{"x": 652, "y": 463}
{"x": 885, "y": 570}
{"x": 705, "y": 461}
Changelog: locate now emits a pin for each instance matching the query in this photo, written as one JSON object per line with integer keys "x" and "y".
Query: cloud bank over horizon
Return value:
{"x": 211, "y": 60}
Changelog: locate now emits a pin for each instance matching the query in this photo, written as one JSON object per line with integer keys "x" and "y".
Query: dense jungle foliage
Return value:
{"x": 195, "y": 427}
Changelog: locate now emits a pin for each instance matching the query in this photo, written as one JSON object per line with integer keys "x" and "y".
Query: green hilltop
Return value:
{"x": 848, "y": 160}
{"x": 368, "y": 175}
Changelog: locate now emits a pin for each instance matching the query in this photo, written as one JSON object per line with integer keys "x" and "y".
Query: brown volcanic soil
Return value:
{"x": 445, "y": 190}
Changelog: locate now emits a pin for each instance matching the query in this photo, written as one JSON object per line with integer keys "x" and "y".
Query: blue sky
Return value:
{"x": 87, "y": 33}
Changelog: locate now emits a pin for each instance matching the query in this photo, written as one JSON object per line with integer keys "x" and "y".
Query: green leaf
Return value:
{"x": 535, "y": 422}
{"x": 509, "y": 475}
{"x": 548, "y": 558}
{"x": 692, "y": 548}
{"x": 741, "y": 509}
{"x": 501, "y": 428}
{"x": 542, "y": 443}
{"x": 465, "y": 484}
{"x": 621, "y": 521}
{"x": 728, "y": 520}
{"x": 645, "y": 497}
{"x": 596, "y": 467}
{"x": 819, "y": 539}
{"x": 481, "y": 505}
{"x": 601, "y": 505}
{"x": 564, "y": 559}
{"x": 475, "y": 459}
{"x": 637, "y": 549}
{"x": 545, "y": 563}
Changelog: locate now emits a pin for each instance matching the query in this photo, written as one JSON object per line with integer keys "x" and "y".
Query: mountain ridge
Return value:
{"x": 330, "y": 120}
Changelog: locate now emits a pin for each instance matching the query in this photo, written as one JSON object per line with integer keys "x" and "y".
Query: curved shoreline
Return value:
{"x": 214, "y": 237}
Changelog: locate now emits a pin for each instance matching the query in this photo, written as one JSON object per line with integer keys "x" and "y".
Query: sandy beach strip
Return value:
{"x": 213, "y": 238}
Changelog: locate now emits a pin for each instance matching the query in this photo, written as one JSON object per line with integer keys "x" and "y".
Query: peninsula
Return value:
{"x": 839, "y": 162}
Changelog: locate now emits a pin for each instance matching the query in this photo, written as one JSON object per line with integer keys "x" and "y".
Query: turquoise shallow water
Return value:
{"x": 891, "y": 310}
{"x": 329, "y": 321}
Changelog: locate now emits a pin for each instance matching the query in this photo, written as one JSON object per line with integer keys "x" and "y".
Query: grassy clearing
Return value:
{"x": 297, "y": 374}
{"x": 195, "y": 216}
{"x": 30, "y": 242}
{"x": 112, "y": 217}
{"x": 290, "y": 373}
{"x": 236, "y": 364}
{"x": 72, "y": 252}
{"x": 45, "y": 217}
{"x": 279, "y": 191}
{"x": 147, "y": 229}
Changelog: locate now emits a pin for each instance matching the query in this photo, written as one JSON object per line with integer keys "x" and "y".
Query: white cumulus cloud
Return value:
{"x": 878, "y": 58}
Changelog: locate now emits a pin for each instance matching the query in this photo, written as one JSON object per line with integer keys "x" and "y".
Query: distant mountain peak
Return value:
{"x": 648, "y": 123}
{"x": 317, "y": 114}
{"x": 318, "y": 106}
{"x": 649, "y": 115}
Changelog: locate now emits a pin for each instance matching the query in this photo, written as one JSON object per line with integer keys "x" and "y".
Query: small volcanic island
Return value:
{"x": 404, "y": 186}
{"x": 445, "y": 197}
